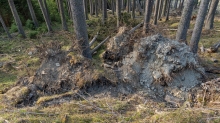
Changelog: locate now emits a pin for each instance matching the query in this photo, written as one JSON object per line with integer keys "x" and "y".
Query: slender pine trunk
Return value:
{"x": 198, "y": 25}
{"x": 17, "y": 18}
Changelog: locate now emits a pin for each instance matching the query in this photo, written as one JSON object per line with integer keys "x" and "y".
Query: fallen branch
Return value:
{"x": 93, "y": 40}
{"x": 213, "y": 70}
{"x": 136, "y": 27}
{"x": 99, "y": 45}
{"x": 214, "y": 48}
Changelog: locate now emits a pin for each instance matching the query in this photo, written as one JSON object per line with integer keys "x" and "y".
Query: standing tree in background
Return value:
{"x": 148, "y": 12}
{"x": 91, "y": 7}
{"x": 164, "y": 8}
{"x": 104, "y": 11}
{"x": 4, "y": 26}
{"x": 168, "y": 10}
{"x": 62, "y": 15}
{"x": 46, "y": 18}
{"x": 85, "y": 9}
{"x": 211, "y": 14}
{"x": 47, "y": 10}
{"x": 118, "y": 12}
{"x": 185, "y": 21}
{"x": 175, "y": 4}
{"x": 198, "y": 25}
{"x": 33, "y": 16}
{"x": 96, "y": 8}
{"x": 133, "y": 9}
{"x": 113, "y": 7}
{"x": 160, "y": 9}
{"x": 17, "y": 18}
{"x": 80, "y": 29}
{"x": 69, "y": 9}
{"x": 156, "y": 11}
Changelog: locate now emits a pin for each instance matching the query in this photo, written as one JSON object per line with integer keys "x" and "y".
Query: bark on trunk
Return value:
{"x": 175, "y": 4}
{"x": 91, "y": 7}
{"x": 118, "y": 12}
{"x": 133, "y": 9}
{"x": 46, "y": 18}
{"x": 17, "y": 18}
{"x": 69, "y": 9}
{"x": 185, "y": 21}
{"x": 104, "y": 11}
{"x": 96, "y": 8}
{"x": 47, "y": 10}
{"x": 211, "y": 15}
{"x": 4, "y": 26}
{"x": 164, "y": 8}
{"x": 80, "y": 29}
{"x": 147, "y": 16}
{"x": 198, "y": 25}
{"x": 168, "y": 10}
{"x": 85, "y": 9}
{"x": 160, "y": 9}
{"x": 113, "y": 7}
{"x": 156, "y": 11}
{"x": 62, "y": 15}
{"x": 33, "y": 16}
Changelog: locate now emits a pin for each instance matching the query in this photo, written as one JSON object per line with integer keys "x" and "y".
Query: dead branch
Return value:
{"x": 93, "y": 40}
{"x": 136, "y": 27}
{"x": 213, "y": 70}
{"x": 214, "y": 48}
{"x": 99, "y": 45}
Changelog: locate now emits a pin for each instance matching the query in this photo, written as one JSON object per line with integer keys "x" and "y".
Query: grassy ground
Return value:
{"x": 109, "y": 109}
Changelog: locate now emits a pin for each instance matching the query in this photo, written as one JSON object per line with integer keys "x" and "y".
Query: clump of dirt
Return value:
{"x": 160, "y": 65}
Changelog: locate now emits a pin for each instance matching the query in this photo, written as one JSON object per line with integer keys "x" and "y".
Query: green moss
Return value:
{"x": 174, "y": 25}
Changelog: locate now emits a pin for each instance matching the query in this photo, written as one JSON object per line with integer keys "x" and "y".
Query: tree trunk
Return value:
{"x": 46, "y": 18}
{"x": 118, "y": 12}
{"x": 85, "y": 9}
{"x": 181, "y": 5}
{"x": 160, "y": 9}
{"x": 147, "y": 16}
{"x": 80, "y": 29}
{"x": 69, "y": 9}
{"x": 104, "y": 11}
{"x": 33, "y": 16}
{"x": 198, "y": 25}
{"x": 90, "y": 7}
{"x": 4, "y": 26}
{"x": 133, "y": 9}
{"x": 168, "y": 10}
{"x": 113, "y": 7}
{"x": 47, "y": 10}
{"x": 96, "y": 8}
{"x": 211, "y": 14}
{"x": 62, "y": 15}
{"x": 156, "y": 11}
{"x": 128, "y": 6}
{"x": 164, "y": 8}
{"x": 17, "y": 18}
{"x": 185, "y": 21}
{"x": 122, "y": 5}
{"x": 175, "y": 4}
{"x": 139, "y": 7}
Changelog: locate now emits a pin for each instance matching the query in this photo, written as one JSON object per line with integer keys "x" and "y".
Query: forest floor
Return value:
{"x": 22, "y": 58}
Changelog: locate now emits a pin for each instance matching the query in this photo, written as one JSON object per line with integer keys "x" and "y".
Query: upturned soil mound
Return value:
{"x": 161, "y": 68}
